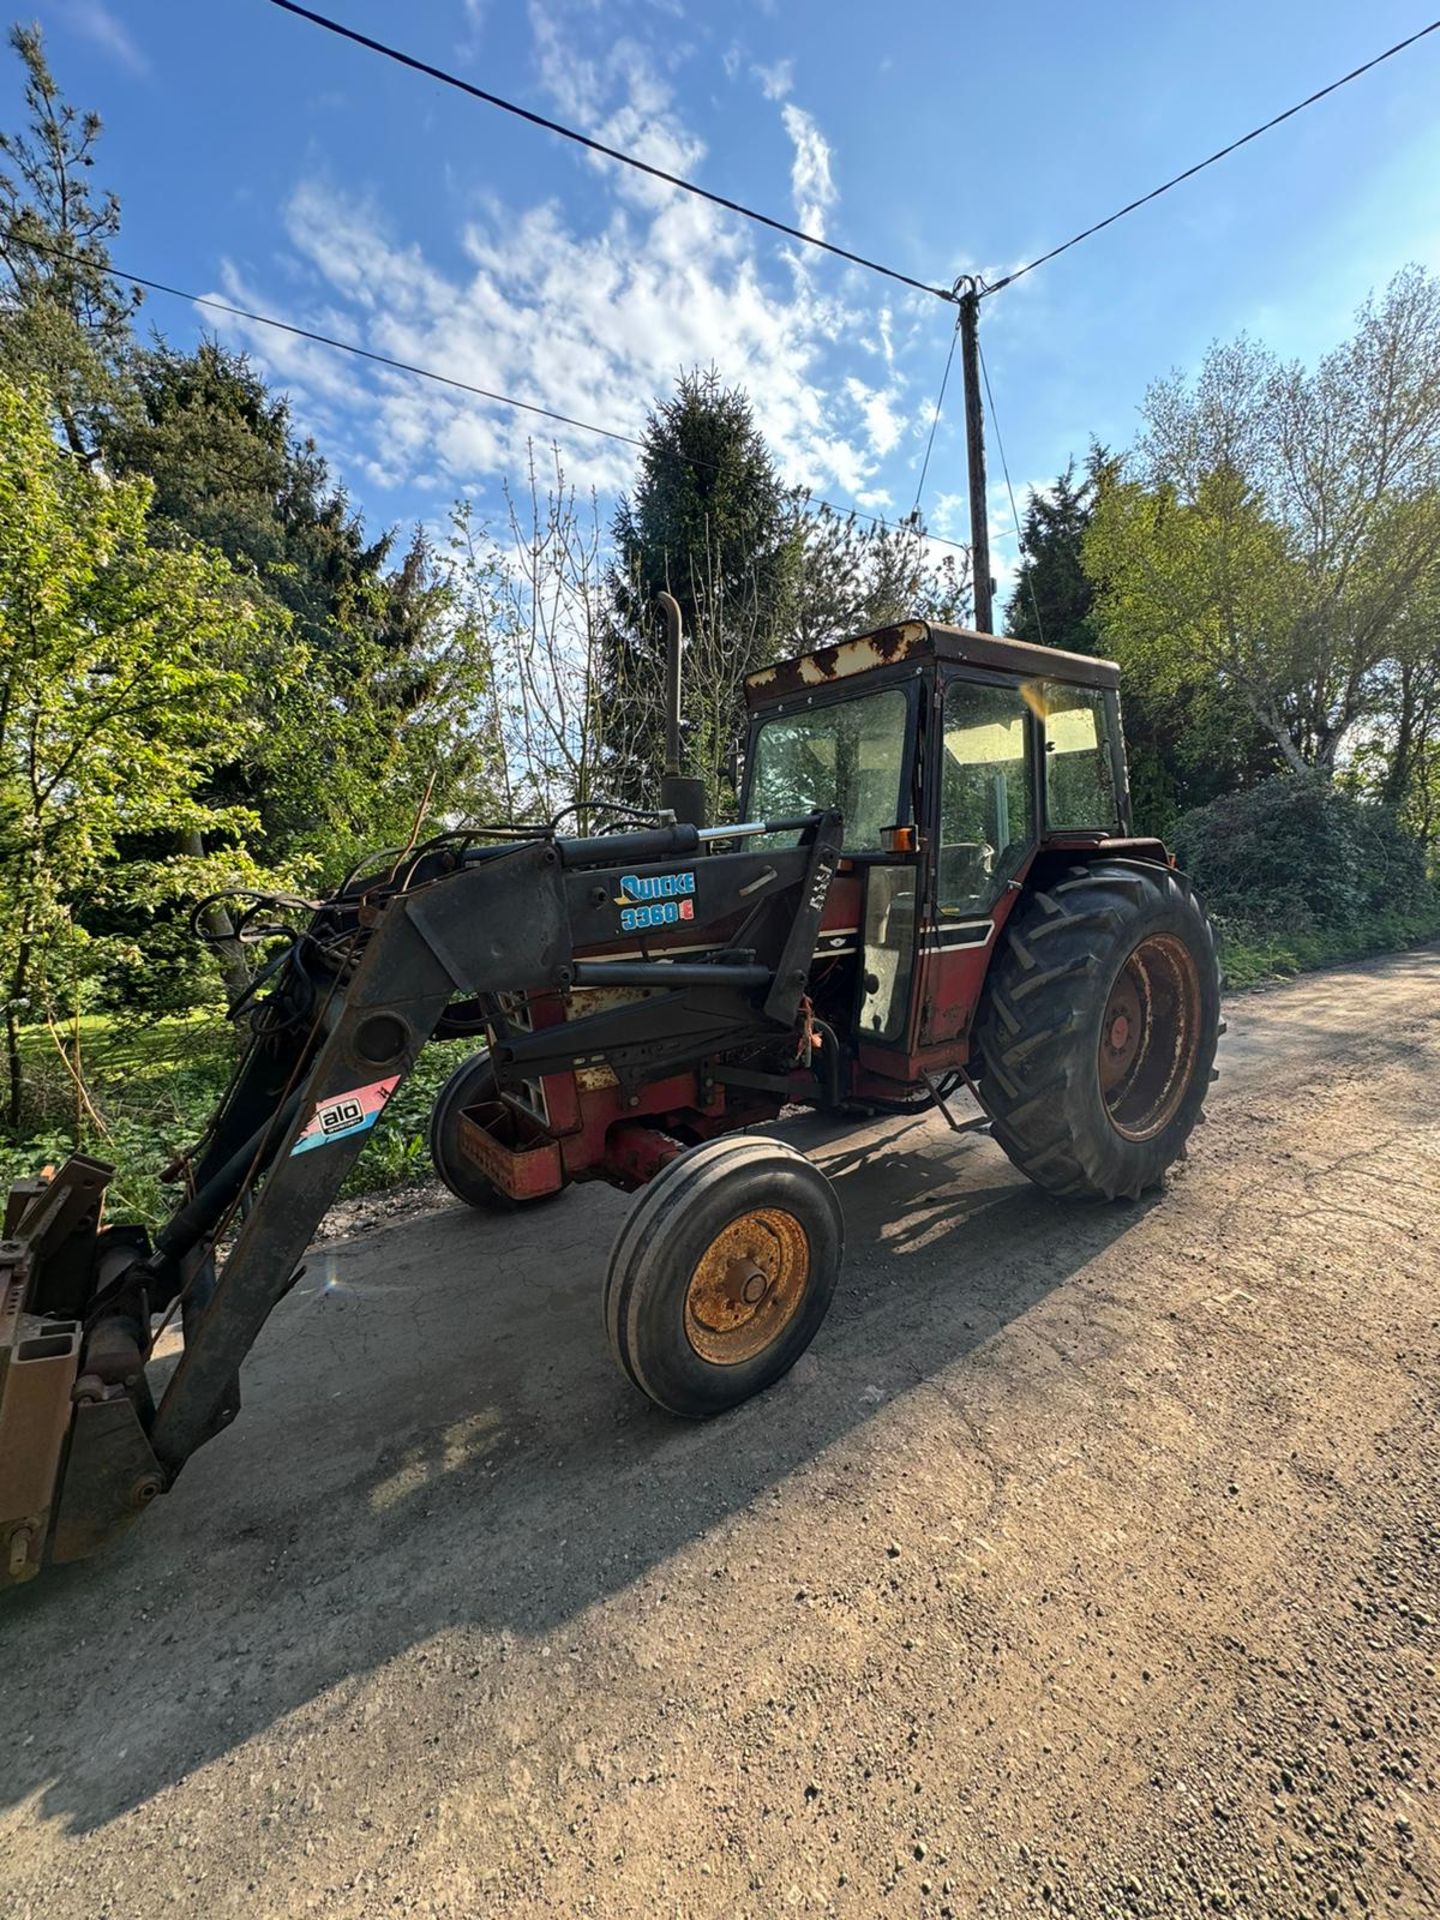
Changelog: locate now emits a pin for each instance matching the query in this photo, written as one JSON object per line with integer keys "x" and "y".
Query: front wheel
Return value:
{"x": 722, "y": 1274}
{"x": 1098, "y": 1029}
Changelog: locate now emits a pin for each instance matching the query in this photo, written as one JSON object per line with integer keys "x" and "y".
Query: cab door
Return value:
{"x": 983, "y": 821}
{"x": 888, "y": 950}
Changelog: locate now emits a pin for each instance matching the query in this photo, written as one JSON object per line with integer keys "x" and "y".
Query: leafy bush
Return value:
{"x": 153, "y": 1087}
{"x": 1295, "y": 855}
{"x": 1252, "y": 957}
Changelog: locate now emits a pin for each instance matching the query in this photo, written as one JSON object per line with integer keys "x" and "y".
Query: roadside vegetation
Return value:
{"x": 214, "y": 676}
{"x": 1302, "y": 873}
{"x": 147, "y": 1089}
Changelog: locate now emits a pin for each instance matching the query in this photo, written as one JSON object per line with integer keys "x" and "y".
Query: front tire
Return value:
{"x": 722, "y": 1274}
{"x": 1098, "y": 1029}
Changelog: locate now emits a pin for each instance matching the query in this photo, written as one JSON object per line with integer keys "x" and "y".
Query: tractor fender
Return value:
{"x": 1062, "y": 853}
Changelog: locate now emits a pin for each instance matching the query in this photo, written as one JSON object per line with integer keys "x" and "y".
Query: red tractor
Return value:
{"x": 934, "y": 886}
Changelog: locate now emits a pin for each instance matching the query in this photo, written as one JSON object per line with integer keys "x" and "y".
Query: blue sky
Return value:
{"x": 262, "y": 160}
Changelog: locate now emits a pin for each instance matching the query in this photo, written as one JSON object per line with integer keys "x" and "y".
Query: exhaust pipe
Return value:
{"x": 679, "y": 793}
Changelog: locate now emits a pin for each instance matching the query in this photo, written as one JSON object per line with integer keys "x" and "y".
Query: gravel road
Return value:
{"x": 1089, "y": 1563}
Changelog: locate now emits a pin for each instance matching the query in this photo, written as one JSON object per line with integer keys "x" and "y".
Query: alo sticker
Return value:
{"x": 659, "y": 900}
{"x": 344, "y": 1114}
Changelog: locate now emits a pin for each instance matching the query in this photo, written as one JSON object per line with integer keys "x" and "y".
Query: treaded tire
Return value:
{"x": 1042, "y": 1022}
{"x": 470, "y": 1085}
{"x": 679, "y": 1217}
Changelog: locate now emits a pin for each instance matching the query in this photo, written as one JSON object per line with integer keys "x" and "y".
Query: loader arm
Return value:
{"x": 82, "y": 1447}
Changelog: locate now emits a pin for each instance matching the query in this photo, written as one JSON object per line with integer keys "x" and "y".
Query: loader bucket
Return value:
{"x": 74, "y": 1460}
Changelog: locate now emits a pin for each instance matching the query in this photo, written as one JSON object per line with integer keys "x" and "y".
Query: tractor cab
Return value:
{"x": 958, "y": 761}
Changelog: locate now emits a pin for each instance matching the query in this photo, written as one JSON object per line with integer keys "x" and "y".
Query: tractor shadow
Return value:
{"x": 435, "y": 1437}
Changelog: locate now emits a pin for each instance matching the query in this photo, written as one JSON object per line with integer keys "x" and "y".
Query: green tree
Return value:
{"x": 394, "y": 675}
{"x": 1399, "y": 764}
{"x": 1053, "y": 603}
{"x": 1297, "y": 854}
{"x": 1279, "y": 526}
{"x": 119, "y": 692}
{"x": 63, "y": 320}
{"x": 855, "y": 576}
{"x": 1189, "y": 740}
{"x": 707, "y": 521}
{"x": 229, "y": 470}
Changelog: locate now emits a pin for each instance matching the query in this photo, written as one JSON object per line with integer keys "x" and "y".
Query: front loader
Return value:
{"x": 934, "y": 887}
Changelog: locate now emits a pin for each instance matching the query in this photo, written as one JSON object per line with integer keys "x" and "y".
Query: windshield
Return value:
{"x": 848, "y": 754}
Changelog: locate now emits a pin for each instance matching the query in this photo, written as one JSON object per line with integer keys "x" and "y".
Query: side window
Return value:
{"x": 1079, "y": 770}
{"x": 985, "y": 810}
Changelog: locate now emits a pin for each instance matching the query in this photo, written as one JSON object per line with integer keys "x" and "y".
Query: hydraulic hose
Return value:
{"x": 189, "y": 1223}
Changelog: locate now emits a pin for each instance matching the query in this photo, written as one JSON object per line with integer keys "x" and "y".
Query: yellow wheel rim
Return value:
{"x": 747, "y": 1286}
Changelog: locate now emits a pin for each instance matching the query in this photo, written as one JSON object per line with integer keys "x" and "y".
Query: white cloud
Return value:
{"x": 776, "y": 81}
{"x": 883, "y": 423}
{"x": 887, "y": 336}
{"x": 810, "y": 179}
{"x": 621, "y": 99}
{"x": 476, "y": 14}
{"x": 1003, "y": 524}
{"x": 94, "y": 20}
{"x": 588, "y": 325}
{"x": 593, "y": 321}
{"x": 950, "y": 515}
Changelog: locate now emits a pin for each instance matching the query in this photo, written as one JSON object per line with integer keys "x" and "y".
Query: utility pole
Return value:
{"x": 983, "y": 585}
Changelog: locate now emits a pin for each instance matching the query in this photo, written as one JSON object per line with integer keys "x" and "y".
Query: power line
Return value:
{"x": 598, "y": 146}
{"x": 422, "y": 373}
{"x": 368, "y": 353}
{"x": 1200, "y": 165}
{"x": 934, "y": 424}
{"x": 1005, "y": 469}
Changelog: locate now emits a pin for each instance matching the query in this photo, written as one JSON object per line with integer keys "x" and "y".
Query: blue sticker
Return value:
{"x": 663, "y": 900}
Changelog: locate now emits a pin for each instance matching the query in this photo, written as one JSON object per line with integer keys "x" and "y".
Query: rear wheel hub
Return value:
{"x": 1150, "y": 1037}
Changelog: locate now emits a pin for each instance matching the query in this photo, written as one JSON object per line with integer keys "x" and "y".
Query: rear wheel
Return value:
{"x": 722, "y": 1274}
{"x": 1098, "y": 1029}
{"x": 471, "y": 1085}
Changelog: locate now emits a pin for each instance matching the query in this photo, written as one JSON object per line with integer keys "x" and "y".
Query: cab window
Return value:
{"x": 986, "y": 816}
{"x": 1079, "y": 767}
{"x": 848, "y": 754}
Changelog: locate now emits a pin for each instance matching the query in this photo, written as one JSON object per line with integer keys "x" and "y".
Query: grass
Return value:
{"x": 1251, "y": 956}
{"x": 151, "y": 1087}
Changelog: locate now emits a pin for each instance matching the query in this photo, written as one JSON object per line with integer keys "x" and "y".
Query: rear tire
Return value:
{"x": 1098, "y": 1028}
{"x": 722, "y": 1274}
{"x": 471, "y": 1085}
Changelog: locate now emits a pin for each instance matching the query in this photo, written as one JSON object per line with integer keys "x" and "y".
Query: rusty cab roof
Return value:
{"x": 922, "y": 640}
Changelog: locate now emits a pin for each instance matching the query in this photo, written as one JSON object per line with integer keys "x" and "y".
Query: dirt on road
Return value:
{"x": 1089, "y": 1563}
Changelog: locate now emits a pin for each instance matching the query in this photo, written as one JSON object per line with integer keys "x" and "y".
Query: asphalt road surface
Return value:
{"x": 1089, "y": 1563}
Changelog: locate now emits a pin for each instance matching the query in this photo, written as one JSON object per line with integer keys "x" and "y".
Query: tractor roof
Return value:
{"x": 923, "y": 640}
